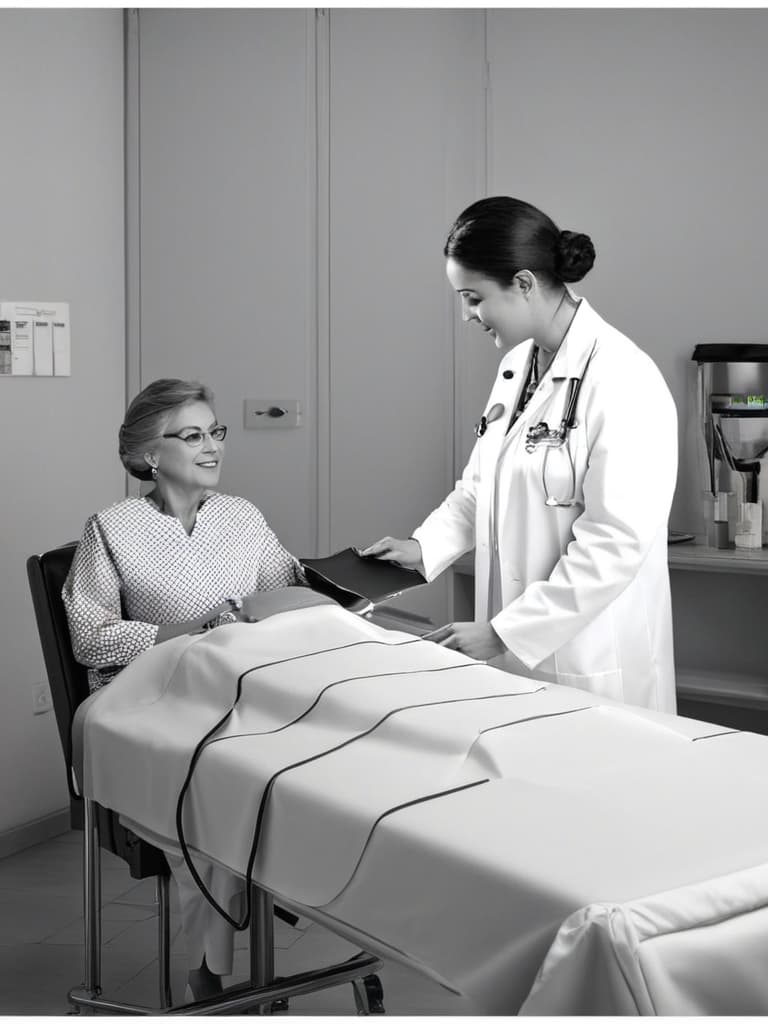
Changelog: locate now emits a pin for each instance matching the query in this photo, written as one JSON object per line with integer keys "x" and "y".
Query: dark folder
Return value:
{"x": 357, "y": 583}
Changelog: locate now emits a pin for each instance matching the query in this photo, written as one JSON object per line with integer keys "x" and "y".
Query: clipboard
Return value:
{"x": 359, "y": 584}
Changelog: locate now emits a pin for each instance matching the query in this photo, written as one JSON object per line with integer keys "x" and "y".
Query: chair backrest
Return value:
{"x": 68, "y": 680}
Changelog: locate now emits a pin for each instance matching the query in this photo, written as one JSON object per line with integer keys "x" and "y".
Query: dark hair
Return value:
{"x": 147, "y": 414}
{"x": 499, "y": 236}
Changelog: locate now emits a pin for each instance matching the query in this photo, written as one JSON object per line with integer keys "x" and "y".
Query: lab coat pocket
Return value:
{"x": 592, "y": 659}
{"x": 604, "y": 684}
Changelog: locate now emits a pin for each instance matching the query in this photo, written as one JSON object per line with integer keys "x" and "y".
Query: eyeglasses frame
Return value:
{"x": 203, "y": 434}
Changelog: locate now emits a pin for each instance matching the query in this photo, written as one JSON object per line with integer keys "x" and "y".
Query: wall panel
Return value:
{"x": 406, "y": 155}
{"x": 61, "y": 210}
{"x": 226, "y": 239}
{"x": 646, "y": 129}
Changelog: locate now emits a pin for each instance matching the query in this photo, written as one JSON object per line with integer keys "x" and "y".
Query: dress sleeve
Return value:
{"x": 101, "y": 637}
{"x": 277, "y": 567}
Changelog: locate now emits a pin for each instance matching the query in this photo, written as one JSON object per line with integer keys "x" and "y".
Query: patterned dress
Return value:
{"x": 136, "y": 568}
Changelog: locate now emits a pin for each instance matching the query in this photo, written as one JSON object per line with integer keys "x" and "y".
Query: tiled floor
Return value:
{"x": 41, "y": 943}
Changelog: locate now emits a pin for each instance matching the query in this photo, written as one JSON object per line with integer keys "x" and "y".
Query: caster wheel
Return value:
{"x": 369, "y": 995}
{"x": 375, "y": 992}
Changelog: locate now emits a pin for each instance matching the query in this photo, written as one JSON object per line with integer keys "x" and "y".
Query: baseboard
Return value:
{"x": 16, "y": 839}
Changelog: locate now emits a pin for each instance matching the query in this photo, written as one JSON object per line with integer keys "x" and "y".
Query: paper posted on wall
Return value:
{"x": 34, "y": 339}
{"x": 359, "y": 583}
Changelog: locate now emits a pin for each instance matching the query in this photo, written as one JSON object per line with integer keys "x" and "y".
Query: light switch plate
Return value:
{"x": 262, "y": 413}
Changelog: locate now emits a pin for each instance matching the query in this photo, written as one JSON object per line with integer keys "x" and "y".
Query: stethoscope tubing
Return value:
{"x": 540, "y": 434}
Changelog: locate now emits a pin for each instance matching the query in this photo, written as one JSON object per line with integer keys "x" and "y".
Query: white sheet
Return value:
{"x": 700, "y": 950}
{"x": 574, "y": 803}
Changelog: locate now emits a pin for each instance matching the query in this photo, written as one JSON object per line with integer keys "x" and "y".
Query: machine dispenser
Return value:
{"x": 732, "y": 392}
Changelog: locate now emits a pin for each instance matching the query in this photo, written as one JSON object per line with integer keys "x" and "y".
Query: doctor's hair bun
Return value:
{"x": 574, "y": 257}
{"x": 147, "y": 415}
{"x": 500, "y": 236}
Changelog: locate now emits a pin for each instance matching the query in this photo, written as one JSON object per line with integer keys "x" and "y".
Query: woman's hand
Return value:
{"x": 477, "y": 640}
{"x": 389, "y": 549}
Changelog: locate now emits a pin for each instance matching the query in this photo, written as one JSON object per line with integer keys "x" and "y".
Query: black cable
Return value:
{"x": 202, "y": 744}
{"x": 536, "y": 718}
{"x": 401, "y": 807}
{"x": 241, "y": 925}
{"x": 714, "y": 735}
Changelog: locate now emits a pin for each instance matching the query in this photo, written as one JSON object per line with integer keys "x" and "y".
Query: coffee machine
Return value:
{"x": 732, "y": 398}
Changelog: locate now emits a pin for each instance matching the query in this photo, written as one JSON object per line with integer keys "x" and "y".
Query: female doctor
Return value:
{"x": 567, "y": 492}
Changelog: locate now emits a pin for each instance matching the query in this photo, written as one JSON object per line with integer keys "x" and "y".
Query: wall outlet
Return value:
{"x": 41, "y": 699}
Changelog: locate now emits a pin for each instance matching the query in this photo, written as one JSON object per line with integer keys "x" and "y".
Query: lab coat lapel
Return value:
{"x": 507, "y": 394}
{"x": 537, "y": 408}
{"x": 568, "y": 362}
{"x": 574, "y": 352}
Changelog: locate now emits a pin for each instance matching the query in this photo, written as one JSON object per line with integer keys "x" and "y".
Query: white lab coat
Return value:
{"x": 581, "y": 595}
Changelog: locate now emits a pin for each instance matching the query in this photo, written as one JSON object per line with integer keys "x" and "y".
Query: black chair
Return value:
{"x": 68, "y": 681}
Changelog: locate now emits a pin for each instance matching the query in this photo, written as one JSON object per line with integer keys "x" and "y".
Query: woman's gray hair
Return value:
{"x": 147, "y": 414}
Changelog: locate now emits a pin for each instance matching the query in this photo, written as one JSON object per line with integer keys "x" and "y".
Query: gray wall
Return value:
{"x": 292, "y": 248}
{"x": 225, "y": 223}
{"x": 291, "y": 179}
{"x": 61, "y": 214}
{"x": 647, "y": 130}
{"x": 406, "y": 153}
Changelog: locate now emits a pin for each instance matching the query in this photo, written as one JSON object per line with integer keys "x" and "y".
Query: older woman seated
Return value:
{"x": 180, "y": 559}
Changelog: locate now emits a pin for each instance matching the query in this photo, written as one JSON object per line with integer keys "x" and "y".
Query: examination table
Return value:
{"x": 534, "y": 847}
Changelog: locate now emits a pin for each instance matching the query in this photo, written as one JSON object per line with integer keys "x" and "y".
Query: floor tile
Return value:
{"x": 408, "y": 993}
{"x": 143, "y": 988}
{"x": 115, "y": 911}
{"x": 141, "y": 935}
{"x": 53, "y": 880}
{"x": 141, "y": 893}
{"x": 73, "y": 933}
{"x": 37, "y": 976}
{"x": 73, "y": 836}
{"x": 318, "y": 948}
{"x": 29, "y": 916}
{"x": 41, "y": 935}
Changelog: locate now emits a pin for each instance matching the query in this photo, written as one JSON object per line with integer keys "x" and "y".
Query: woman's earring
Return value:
{"x": 154, "y": 472}
{"x": 152, "y": 467}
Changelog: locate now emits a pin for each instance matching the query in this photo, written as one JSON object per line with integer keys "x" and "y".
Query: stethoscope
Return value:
{"x": 541, "y": 435}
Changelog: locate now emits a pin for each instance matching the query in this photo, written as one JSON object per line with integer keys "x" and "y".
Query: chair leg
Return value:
{"x": 92, "y": 898}
{"x": 164, "y": 940}
{"x": 88, "y": 998}
{"x": 262, "y": 942}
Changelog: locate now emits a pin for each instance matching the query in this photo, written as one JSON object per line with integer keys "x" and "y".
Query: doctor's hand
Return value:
{"x": 389, "y": 549}
{"x": 477, "y": 640}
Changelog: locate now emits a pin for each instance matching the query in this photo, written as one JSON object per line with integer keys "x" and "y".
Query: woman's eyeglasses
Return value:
{"x": 195, "y": 437}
